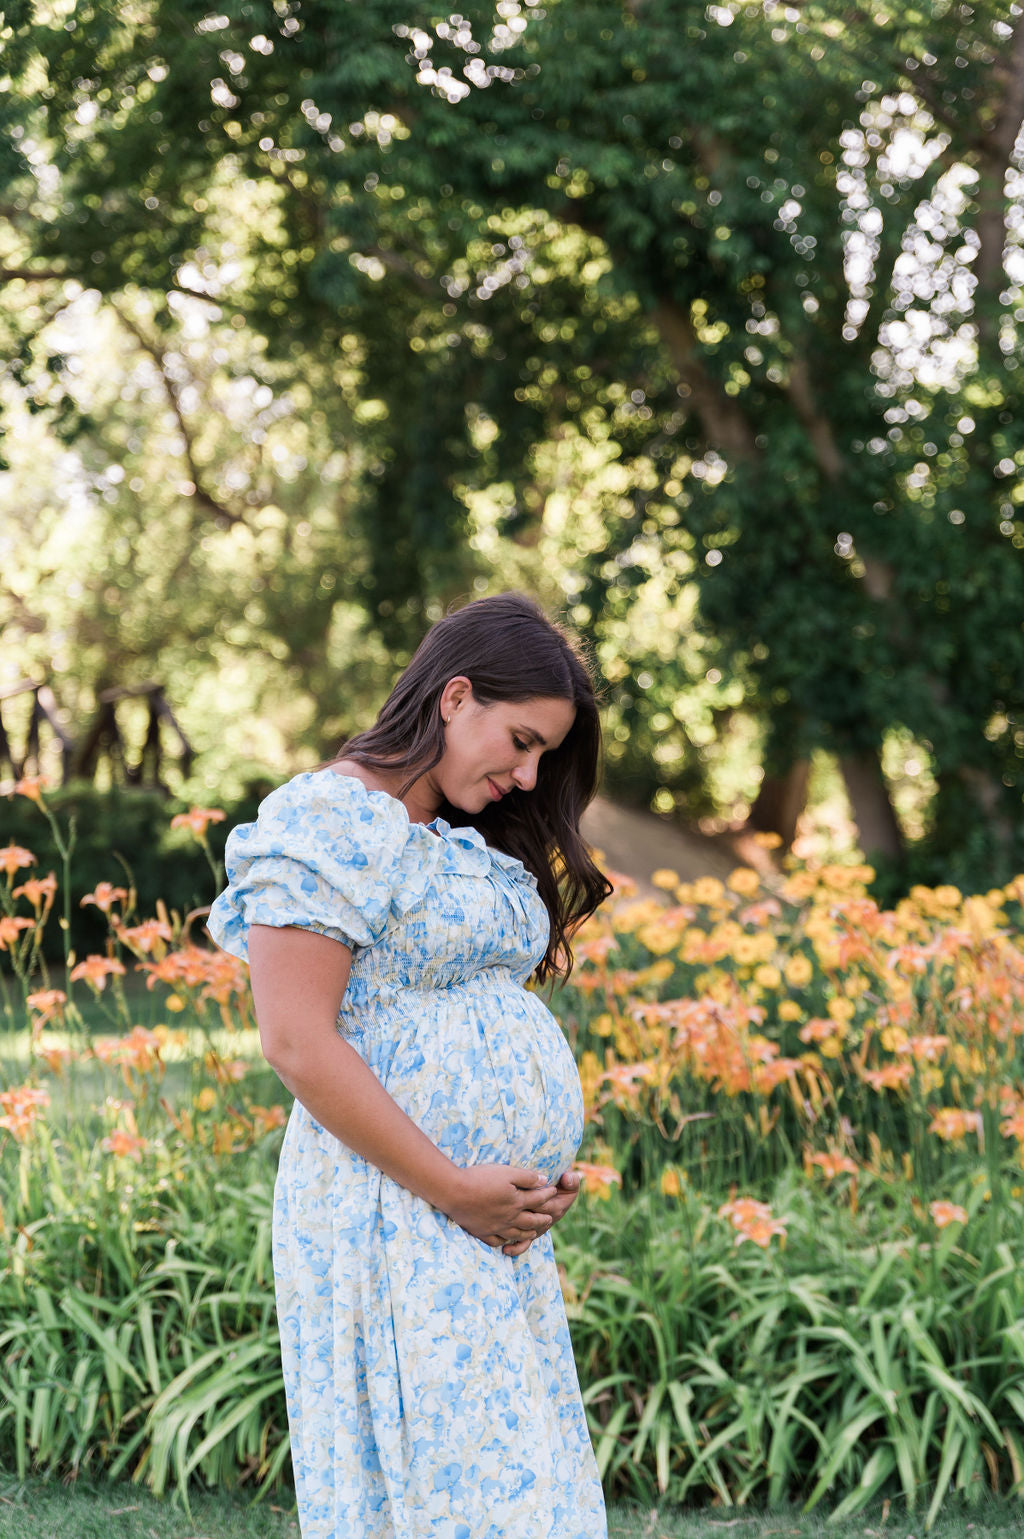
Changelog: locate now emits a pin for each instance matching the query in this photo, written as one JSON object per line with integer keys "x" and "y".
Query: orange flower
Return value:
{"x": 38, "y": 889}
{"x": 124, "y": 1145}
{"x": 144, "y": 937}
{"x": 596, "y": 950}
{"x": 96, "y": 970}
{"x": 21, "y": 1107}
{"x": 267, "y": 1117}
{"x": 9, "y": 930}
{"x": 31, "y": 786}
{"x": 46, "y": 1003}
{"x": 598, "y": 1179}
{"x": 820, "y": 1029}
{"x": 198, "y": 819}
{"x": 944, "y": 1213}
{"x": 138, "y": 1052}
{"x": 892, "y": 1076}
{"x": 924, "y": 1049}
{"x": 14, "y": 858}
{"x": 56, "y": 1059}
{"x": 752, "y": 1221}
{"x": 833, "y": 1164}
{"x": 951, "y": 1123}
{"x": 105, "y": 895}
{"x": 1013, "y": 1126}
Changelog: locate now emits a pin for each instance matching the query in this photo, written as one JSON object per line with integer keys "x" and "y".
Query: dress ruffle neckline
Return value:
{"x": 462, "y": 849}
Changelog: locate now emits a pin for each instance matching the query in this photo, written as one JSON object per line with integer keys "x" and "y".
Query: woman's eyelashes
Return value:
{"x": 519, "y": 746}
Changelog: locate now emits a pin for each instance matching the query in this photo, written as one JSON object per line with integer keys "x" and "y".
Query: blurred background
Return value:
{"x": 700, "y": 322}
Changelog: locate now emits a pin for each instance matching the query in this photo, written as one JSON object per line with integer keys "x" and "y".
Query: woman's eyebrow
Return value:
{"x": 532, "y": 732}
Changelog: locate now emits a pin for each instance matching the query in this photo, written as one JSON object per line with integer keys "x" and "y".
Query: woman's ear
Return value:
{"x": 455, "y": 695}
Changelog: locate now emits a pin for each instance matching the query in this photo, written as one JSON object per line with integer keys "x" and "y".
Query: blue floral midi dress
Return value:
{"x": 431, "y": 1387}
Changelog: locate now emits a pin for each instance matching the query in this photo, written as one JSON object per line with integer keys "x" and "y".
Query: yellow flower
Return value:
{"x": 660, "y": 937}
{"x": 744, "y": 881}
{"x": 206, "y": 1100}
{"x": 174, "y": 1003}
{"x": 672, "y": 1179}
{"x": 767, "y": 841}
{"x": 602, "y": 1025}
{"x": 799, "y": 971}
{"x": 979, "y": 918}
{"x": 789, "y": 1010}
{"x": 707, "y": 889}
{"x": 664, "y": 877}
{"x": 767, "y": 977}
{"x": 800, "y": 886}
{"x": 841, "y": 1009}
{"x": 746, "y": 950}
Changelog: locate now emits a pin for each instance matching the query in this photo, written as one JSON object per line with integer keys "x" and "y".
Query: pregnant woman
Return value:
{"x": 391, "y": 907}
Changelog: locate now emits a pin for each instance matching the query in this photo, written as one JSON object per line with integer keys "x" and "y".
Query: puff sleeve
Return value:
{"x": 324, "y": 854}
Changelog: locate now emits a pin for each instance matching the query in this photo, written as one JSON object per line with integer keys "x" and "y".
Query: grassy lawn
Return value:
{"x": 47, "y": 1510}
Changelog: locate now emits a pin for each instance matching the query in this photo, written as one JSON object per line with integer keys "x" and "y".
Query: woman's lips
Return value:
{"x": 496, "y": 791}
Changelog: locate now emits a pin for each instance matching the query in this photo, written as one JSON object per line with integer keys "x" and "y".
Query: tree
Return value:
{"x": 754, "y": 255}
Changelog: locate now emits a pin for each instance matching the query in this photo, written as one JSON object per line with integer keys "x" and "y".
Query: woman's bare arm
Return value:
{"x": 298, "y": 982}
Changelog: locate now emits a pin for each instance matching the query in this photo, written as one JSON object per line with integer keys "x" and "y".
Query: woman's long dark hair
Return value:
{"x": 509, "y": 650}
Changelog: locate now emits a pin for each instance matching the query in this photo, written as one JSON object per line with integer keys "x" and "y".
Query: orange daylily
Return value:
{"x": 96, "y": 970}
{"x": 951, "y": 1123}
{"x": 597, "y": 1179}
{"x": 198, "y": 819}
{"x": 10, "y": 928}
{"x": 31, "y": 786}
{"x": 21, "y": 1107}
{"x": 832, "y": 1163}
{"x": 37, "y": 889}
{"x": 124, "y": 1145}
{"x": 944, "y": 1213}
{"x": 105, "y": 895}
{"x": 13, "y": 858}
{"x": 144, "y": 937}
{"x": 752, "y": 1221}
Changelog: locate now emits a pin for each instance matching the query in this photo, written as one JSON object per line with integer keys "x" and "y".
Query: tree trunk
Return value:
{"x": 871, "y": 804}
{"x": 781, "y": 800}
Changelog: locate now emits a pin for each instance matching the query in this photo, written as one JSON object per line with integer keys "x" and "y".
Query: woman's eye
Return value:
{"x": 519, "y": 745}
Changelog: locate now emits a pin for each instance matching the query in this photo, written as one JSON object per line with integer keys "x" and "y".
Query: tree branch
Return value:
{"x": 35, "y": 275}
{"x": 725, "y": 426}
{"x": 201, "y": 496}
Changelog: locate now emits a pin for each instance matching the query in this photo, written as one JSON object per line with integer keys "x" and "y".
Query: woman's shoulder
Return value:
{"x": 331, "y": 804}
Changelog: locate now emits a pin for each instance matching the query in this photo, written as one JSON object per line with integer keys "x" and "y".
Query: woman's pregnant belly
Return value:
{"x": 482, "y": 1067}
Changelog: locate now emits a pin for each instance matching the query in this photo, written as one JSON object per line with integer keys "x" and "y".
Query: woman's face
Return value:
{"x": 493, "y": 749}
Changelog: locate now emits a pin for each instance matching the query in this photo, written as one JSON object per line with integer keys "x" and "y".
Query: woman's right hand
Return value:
{"x": 499, "y": 1204}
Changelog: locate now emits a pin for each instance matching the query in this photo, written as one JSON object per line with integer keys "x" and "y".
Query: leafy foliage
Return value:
{"x": 698, "y": 312}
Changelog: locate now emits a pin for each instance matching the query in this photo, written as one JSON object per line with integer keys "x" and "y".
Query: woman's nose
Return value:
{"x": 525, "y": 775}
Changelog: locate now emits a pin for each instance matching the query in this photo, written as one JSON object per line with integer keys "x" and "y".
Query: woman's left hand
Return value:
{"x": 556, "y": 1207}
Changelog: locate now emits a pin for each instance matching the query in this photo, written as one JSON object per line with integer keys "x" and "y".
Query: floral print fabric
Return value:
{"x": 432, "y": 1392}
